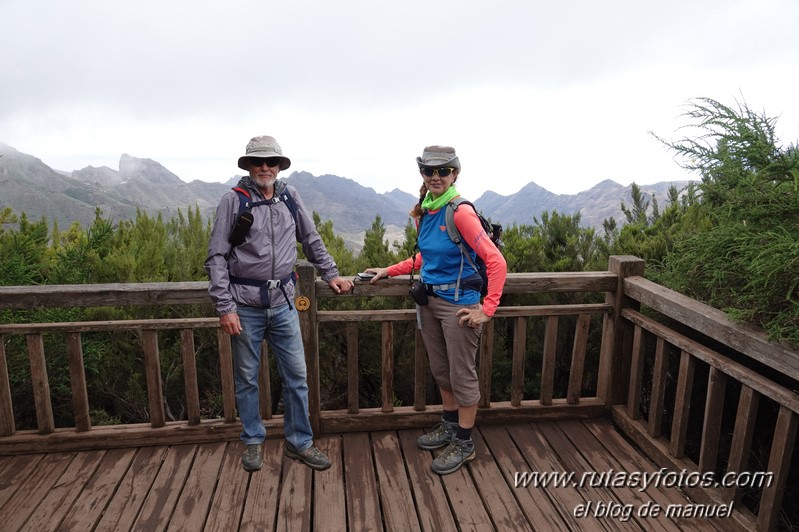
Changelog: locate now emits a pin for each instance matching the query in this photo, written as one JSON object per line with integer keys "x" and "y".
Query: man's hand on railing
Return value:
{"x": 340, "y": 285}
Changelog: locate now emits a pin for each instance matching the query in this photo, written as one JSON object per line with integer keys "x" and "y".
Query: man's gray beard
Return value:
{"x": 265, "y": 182}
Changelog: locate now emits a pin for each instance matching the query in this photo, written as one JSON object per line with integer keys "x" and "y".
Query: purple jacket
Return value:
{"x": 268, "y": 253}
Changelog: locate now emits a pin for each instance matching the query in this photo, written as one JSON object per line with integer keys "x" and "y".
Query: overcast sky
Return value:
{"x": 561, "y": 93}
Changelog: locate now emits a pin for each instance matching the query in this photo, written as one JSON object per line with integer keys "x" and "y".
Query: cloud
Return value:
{"x": 563, "y": 94}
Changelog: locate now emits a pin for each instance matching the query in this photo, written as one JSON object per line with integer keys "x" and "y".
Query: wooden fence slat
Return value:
{"x": 779, "y": 463}
{"x": 7, "y": 425}
{"x": 486, "y": 364}
{"x": 41, "y": 384}
{"x": 657, "y": 396}
{"x": 152, "y": 372}
{"x": 577, "y": 370}
{"x": 548, "y": 360}
{"x": 711, "y": 429}
{"x": 226, "y": 375}
{"x": 420, "y": 364}
{"x": 77, "y": 379}
{"x": 517, "y": 364}
{"x": 353, "y": 375}
{"x": 388, "y": 366}
{"x": 742, "y": 436}
{"x": 636, "y": 375}
{"x": 190, "y": 376}
{"x": 682, "y": 404}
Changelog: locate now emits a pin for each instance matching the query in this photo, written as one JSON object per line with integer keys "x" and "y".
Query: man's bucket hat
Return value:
{"x": 264, "y": 146}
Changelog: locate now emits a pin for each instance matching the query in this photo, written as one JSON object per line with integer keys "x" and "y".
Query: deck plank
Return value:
{"x": 599, "y": 494}
{"x": 540, "y": 511}
{"x": 541, "y": 458}
{"x": 160, "y": 503}
{"x": 399, "y": 512}
{"x": 602, "y": 461}
{"x": 363, "y": 503}
{"x": 431, "y": 501}
{"x": 467, "y": 507}
{"x": 88, "y": 508}
{"x": 192, "y": 507}
{"x": 294, "y": 508}
{"x": 62, "y": 495}
{"x": 132, "y": 491}
{"x": 501, "y": 503}
{"x": 228, "y": 503}
{"x": 631, "y": 460}
{"x": 18, "y": 468}
{"x": 260, "y": 507}
{"x": 33, "y": 489}
{"x": 330, "y": 508}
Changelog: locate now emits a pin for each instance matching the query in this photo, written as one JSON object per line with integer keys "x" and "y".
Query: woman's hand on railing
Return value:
{"x": 473, "y": 317}
{"x": 380, "y": 273}
{"x": 230, "y": 323}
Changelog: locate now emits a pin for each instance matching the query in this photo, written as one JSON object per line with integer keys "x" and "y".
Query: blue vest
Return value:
{"x": 443, "y": 260}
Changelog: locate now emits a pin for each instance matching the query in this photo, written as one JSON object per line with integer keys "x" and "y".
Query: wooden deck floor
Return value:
{"x": 379, "y": 481}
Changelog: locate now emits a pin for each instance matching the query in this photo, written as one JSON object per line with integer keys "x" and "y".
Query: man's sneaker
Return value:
{"x": 312, "y": 457}
{"x": 438, "y": 437}
{"x": 457, "y": 453}
{"x": 253, "y": 457}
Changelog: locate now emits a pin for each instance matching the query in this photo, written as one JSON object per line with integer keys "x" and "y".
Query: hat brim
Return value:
{"x": 439, "y": 163}
{"x": 285, "y": 162}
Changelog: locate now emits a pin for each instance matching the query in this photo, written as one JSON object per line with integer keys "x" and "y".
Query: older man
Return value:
{"x": 251, "y": 257}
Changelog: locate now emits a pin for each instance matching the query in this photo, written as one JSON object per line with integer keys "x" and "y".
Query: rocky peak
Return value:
{"x": 135, "y": 169}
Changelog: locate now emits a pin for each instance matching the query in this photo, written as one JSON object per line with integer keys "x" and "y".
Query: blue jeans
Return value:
{"x": 280, "y": 326}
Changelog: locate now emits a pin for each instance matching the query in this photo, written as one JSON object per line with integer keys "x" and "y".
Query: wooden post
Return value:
{"x": 353, "y": 373}
{"x": 611, "y": 389}
{"x": 190, "y": 376}
{"x": 486, "y": 354}
{"x": 419, "y": 372}
{"x": 306, "y": 288}
{"x": 41, "y": 384}
{"x": 226, "y": 375}
{"x": 388, "y": 366}
{"x": 77, "y": 379}
{"x": 7, "y": 425}
{"x": 152, "y": 373}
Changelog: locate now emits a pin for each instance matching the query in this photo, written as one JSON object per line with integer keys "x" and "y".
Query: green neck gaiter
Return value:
{"x": 431, "y": 204}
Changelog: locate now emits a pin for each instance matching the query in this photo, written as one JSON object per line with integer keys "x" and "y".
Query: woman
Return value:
{"x": 453, "y": 318}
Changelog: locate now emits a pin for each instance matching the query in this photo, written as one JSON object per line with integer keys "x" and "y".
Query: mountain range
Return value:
{"x": 30, "y": 186}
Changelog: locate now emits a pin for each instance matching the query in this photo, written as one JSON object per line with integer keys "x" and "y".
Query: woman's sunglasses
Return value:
{"x": 442, "y": 172}
{"x": 270, "y": 161}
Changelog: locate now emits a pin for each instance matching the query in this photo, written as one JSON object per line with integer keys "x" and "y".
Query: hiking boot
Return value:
{"x": 253, "y": 457}
{"x": 439, "y": 436}
{"x": 457, "y": 453}
{"x": 312, "y": 457}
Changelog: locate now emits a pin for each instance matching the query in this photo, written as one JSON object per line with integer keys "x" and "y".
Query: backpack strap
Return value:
{"x": 456, "y": 238}
{"x": 246, "y": 203}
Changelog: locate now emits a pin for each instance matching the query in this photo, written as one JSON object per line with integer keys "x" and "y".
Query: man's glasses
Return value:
{"x": 270, "y": 161}
{"x": 442, "y": 172}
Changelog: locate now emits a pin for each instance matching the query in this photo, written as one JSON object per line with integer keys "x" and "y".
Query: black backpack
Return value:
{"x": 244, "y": 219}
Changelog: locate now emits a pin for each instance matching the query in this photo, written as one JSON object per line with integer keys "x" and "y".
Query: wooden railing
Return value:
{"x": 651, "y": 344}
{"x": 84, "y": 435}
{"x": 661, "y": 362}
